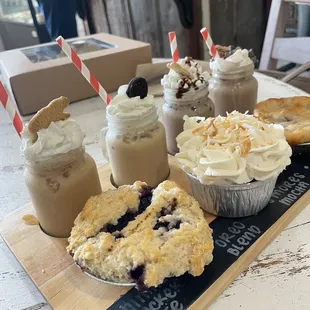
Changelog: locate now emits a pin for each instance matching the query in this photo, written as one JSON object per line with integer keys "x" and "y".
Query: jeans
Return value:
{"x": 59, "y": 17}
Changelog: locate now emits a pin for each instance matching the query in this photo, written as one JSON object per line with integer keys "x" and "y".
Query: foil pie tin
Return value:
{"x": 237, "y": 200}
{"x": 87, "y": 273}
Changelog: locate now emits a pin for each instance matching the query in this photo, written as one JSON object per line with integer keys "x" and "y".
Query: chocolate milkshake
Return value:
{"x": 135, "y": 142}
{"x": 185, "y": 93}
{"x": 60, "y": 175}
{"x": 233, "y": 86}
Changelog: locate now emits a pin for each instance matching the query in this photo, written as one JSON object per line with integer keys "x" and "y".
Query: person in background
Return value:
{"x": 59, "y": 17}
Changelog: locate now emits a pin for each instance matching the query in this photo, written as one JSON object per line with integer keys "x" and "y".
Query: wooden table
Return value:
{"x": 278, "y": 279}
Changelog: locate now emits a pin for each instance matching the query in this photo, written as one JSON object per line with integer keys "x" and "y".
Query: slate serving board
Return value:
{"x": 237, "y": 244}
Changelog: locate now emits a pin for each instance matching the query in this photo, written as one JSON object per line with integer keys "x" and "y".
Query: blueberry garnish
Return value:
{"x": 137, "y": 87}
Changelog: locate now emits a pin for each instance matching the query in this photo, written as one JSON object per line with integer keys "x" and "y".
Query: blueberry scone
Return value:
{"x": 137, "y": 234}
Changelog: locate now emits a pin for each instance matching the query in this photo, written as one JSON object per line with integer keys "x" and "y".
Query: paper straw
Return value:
{"x": 83, "y": 69}
{"x": 173, "y": 46}
{"x": 9, "y": 107}
{"x": 207, "y": 38}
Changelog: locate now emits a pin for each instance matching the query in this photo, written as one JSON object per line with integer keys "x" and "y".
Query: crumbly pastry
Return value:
{"x": 138, "y": 234}
{"x": 293, "y": 113}
{"x": 54, "y": 111}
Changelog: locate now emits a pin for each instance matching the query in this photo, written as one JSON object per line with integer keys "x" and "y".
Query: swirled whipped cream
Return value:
{"x": 175, "y": 81}
{"x": 235, "y": 149}
{"x": 123, "y": 106}
{"x": 59, "y": 138}
{"x": 239, "y": 58}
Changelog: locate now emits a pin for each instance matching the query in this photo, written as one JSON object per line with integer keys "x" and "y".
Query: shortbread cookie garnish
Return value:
{"x": 53, "y": 112}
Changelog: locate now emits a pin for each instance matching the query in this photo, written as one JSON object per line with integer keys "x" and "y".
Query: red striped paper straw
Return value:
{"x": 83, "y": 69}
{"x": 9, "y": 107}
{"x": 173, "y": 46}
{"x": 207, "y": 38}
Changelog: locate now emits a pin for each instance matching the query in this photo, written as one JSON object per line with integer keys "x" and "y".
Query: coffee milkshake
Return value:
{"x": 135, "y": 142}
{"x": 185, "y": 93}
{"x": 60, "y": 175}
{"x": 233, "y": 86}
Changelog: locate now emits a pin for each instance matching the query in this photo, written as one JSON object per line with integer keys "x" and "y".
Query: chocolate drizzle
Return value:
{"x": 186, "y": 81}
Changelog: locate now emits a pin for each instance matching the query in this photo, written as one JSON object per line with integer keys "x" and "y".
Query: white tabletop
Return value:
{"x": 278, "y": 279}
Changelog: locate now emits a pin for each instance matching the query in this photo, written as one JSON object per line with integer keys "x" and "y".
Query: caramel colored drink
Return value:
{"x": 59, "y": 175}
{"x": 135, "y": 142}
{"x": 59, "y": 188}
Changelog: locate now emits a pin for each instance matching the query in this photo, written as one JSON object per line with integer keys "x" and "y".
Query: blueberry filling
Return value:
{"x": 145, "y": 200}
{"x": 167, "y": 225}
{"x": 167, "y": 211}
{"x": 137, "y": 275}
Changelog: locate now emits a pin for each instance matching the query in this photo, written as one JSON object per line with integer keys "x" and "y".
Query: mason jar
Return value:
{"x": 136, "y": 148}
{"x": 233, "y": 90}
{"x": 191, "y": 103}
{"x": 59, "y": 187}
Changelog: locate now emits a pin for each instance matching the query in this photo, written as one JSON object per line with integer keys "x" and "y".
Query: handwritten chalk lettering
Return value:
{"x": 176, "y": 305}
{"x": 159, "y": 299}
{"x": 244, "y": 240}
{"x": 157, "y": 303}
{"x": 248, "y": 235}
{"x": 128, "y": 306}
{"x": 294, "y": 194}
{"x": 238, "y": 225}
{"x": 233, "y": 252}
{"x": 234, "y": 230}
{"x": 226, "y": 237}
{"x": 297, "y": 175}
{"x": 290, "y": 190}
{"x": 237, "y": 247}
{"x": 169, "y": 293}
{"x": 175, "y": 286}
{"x": 292, "y": 179}
{"x": 221, "y": 243}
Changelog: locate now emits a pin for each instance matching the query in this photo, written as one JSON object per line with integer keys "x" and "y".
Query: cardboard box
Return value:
{"x": 36, "y": 75}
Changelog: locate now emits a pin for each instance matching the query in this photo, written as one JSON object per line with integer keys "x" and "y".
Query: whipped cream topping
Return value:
{"x": 235, "y": 149}
{"x": 240, "y": 58}
{"x": 59, "y": 138}
{"x": 174, "y": 80}
{"x": 123, "y": 106}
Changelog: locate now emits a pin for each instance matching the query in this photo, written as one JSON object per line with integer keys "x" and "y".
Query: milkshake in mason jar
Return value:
{"x": 233, "y": 86}
{"x": 60, "y": 175}
{"x": 134, "y": 141}
{"x": 185, "y": 93}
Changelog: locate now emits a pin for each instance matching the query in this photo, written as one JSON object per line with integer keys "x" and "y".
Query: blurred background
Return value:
{"x": 237, "y": 22}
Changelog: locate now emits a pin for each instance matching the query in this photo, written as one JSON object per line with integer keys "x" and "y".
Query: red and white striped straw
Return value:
{"x": 207, "y": 38}
{"x": 83, "y": 69}
{"x": 173, "y": 46}
{"x": 9, "y": 107}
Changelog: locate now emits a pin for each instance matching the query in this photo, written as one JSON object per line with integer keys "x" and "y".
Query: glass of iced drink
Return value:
{"x": 59, "y": 174}
{"x": 233, "y": 86}
{"x": 185, "y": 93}
{"x": 134, "y": 142}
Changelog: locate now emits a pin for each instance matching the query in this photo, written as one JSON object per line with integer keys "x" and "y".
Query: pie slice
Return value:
{"x": 293, "y": 113}
{"x": 137, "y": 234}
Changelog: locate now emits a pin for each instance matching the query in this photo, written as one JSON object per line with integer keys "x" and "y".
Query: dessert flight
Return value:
{"x": 147, "y": 229}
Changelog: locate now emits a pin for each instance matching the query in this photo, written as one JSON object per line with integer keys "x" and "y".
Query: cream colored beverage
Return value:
{"x": 185, "y": 93}
{"x": 60, "y": 175}
{"x": 135, "y": 142}
{"x": 233, "y": 86}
